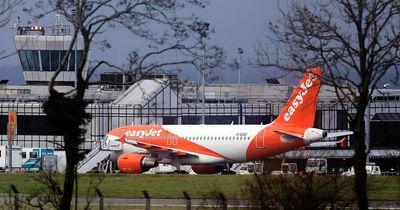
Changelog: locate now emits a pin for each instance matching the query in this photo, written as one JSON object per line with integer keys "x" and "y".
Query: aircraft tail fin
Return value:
{"x": 301, "y": 106}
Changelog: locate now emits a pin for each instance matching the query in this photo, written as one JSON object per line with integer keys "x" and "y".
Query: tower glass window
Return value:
{"x": 72, "y": 61}
{"x": 29, "y": 58}
{"x": 62, "y": 54}
{"x": 36, "y": 60}
{"x": 44, "y": 55}
{"x": 79, "y": 56}
{"x": 55, "y": 59}
{"x": 24, "y": 61}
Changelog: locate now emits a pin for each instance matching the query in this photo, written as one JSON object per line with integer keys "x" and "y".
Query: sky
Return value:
{"x": 237, "y": 23}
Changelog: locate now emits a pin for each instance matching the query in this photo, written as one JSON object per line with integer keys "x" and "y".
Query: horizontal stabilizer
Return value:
{"x": 289, "y": 133}
{"x": 337, "y": 134}
{"x": 327, "y": 143}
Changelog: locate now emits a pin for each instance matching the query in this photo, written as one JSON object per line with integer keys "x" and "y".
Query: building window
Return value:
{"x": 62, "y": 54}
{"x": 30, "y": 125}
{"x": 29, "y": 58}
{"x": 170, "y": 120}
{"x": 257, "y": 120}
{"x": 54, "y": 59}
{"x": 36, "y": 60}
{"x": 45, "y": 57}
{"x": 342, "y": 120}
{"x": 24, "y": 61}
{"x": 79, "y": 57}
{"x": 71, "y": 66}
{"x": 318, "y": 119}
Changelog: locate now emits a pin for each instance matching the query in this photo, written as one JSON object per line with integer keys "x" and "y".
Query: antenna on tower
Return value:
{"x": 57, "y": 16}
{"x": 16, "y": 25}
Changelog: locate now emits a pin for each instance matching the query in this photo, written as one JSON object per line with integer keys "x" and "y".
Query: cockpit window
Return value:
{"x": 109, "y": 138}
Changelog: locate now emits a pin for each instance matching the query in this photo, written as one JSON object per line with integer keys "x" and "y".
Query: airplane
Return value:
{"x": 210, "y": 148}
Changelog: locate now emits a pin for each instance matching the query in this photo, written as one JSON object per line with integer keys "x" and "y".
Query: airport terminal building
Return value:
{"x": 164, "y": 99}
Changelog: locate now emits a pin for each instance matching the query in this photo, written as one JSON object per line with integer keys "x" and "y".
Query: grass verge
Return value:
{"x": 172, "y": 186}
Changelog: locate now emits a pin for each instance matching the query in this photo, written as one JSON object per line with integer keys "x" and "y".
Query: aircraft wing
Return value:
{"x": 157, "y": 148}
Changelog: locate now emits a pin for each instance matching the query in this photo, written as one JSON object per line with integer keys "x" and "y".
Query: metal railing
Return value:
{"x": 34, "y": 131}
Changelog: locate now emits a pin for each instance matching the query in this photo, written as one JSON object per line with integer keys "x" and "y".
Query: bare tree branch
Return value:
{"x": 356, "y": 43}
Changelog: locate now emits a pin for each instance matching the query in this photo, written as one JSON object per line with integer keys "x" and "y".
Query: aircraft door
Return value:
{"x": 260, "y": 143}
{"x": 172, "y": 140}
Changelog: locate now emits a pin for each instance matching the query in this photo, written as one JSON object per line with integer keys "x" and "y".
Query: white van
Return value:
{"x": 16, "y": 157}
{"x": 371, "y": 168}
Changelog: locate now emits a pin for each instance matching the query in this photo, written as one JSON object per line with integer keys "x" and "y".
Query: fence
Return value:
{"x": 33, "y": 130}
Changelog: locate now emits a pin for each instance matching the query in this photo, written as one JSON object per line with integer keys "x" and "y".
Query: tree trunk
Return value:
{"x": 70, "y": 173}
{"x": 68, "y": 186}
{"x": 360, "y": 178}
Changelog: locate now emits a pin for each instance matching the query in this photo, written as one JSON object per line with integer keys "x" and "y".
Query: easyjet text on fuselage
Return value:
{"x": 143, "y": 133}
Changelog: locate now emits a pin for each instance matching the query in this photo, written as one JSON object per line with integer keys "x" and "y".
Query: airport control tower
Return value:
{"x": 40, "y": 50}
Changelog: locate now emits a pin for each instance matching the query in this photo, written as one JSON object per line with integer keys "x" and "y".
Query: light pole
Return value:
{"x": 203, "y": 34}
{"x": 240, "y": 51}
{"x": 203, "y": 71}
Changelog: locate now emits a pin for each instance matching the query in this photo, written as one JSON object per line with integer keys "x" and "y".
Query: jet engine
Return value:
{"x": 135, "y": 163}
{"x": 207, "y": 169}
{"x": 313, "y": 134}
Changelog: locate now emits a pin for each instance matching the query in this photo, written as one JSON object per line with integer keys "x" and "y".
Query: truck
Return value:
{"x": 38, "y": 159}
{"x": 286, "y": 169}
{"x": 317, "y": 165}
{"x": 372, "y": 169}
{"x": 16, "y": 157}
{"x": 249, "y": 168}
